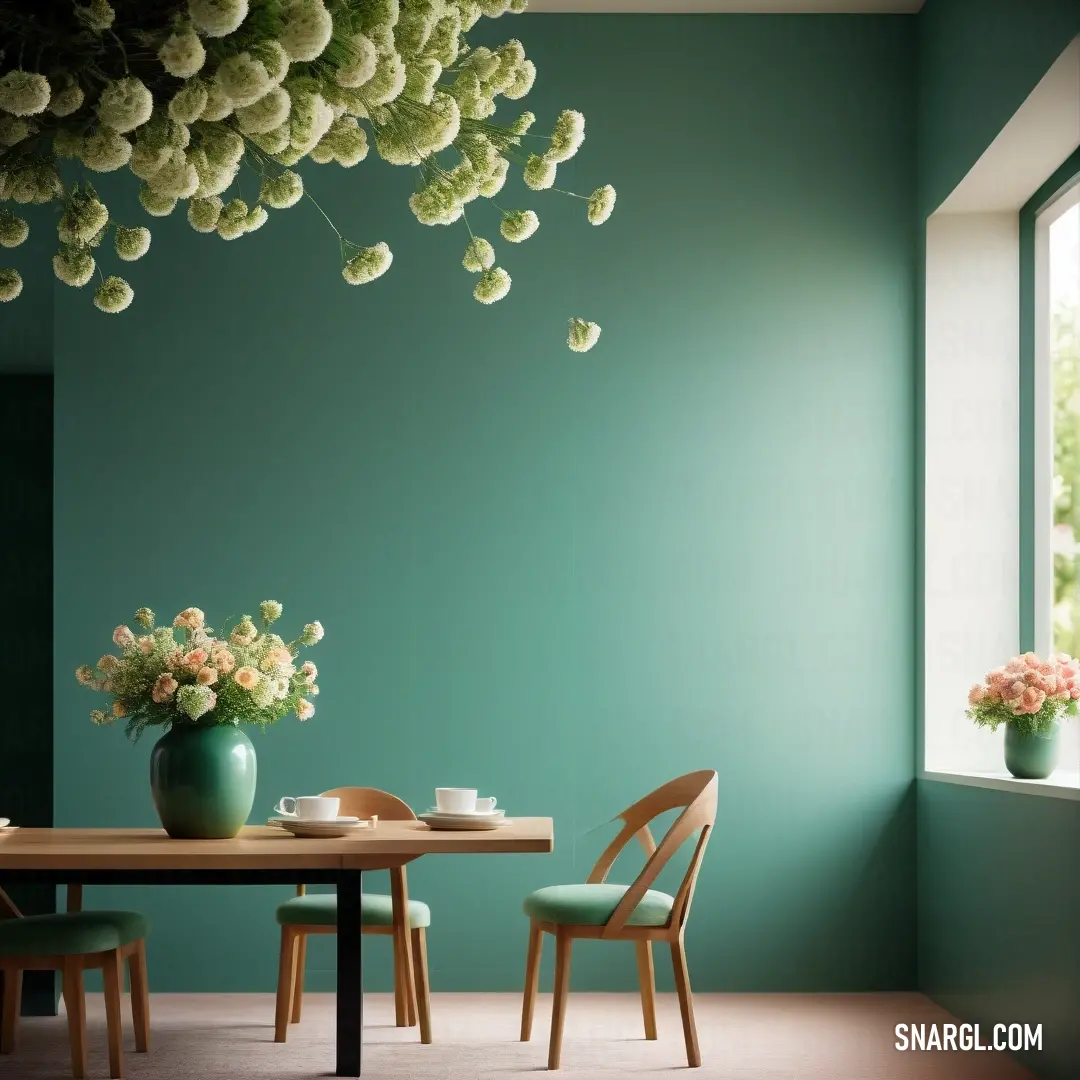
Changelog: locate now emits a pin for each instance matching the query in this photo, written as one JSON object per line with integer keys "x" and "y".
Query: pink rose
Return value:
{"x": 194, "y": 659}
{"x": 223, "y": 660}
{"x": 190, "y": 619}
{"x": 164, "y": 688}
{"x": 146, "y": 645}
{"x": 123, "y": 638}
{"x": 1031, "y": 701}
{"x": 1013, "y": 691}
{"x": 247, "y": 677}
{"x": 206, "y": 676}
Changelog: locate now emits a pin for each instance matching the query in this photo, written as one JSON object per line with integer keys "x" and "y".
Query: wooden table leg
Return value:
{"x": 350, "y": 973}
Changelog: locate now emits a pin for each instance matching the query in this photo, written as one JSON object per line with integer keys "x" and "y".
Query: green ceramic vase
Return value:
{"x": 1032, "y": 757}
{"x": 203, "y": 780}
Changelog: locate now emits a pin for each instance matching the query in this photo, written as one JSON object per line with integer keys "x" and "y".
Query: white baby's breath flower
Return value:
{"x": 203, "y": 214}
{"x": 98, "y": 15}
{"x": 217, "y": 18}
{"x": 282, "y": 191}
{"x": 518, "y": 225}
{"x": 567, "y": 136}
{"x": 125, "y": 104}
{"x": 195, "y": 701}
{"x": 84, "y": 217}
{"x": 13, "y": 230}
{"x": 262, "y": 693}
{"x": 183, "y": 54}
{"x": 188, "y": 102}
{"x": 601, "y": 204}
{"x": 155, "y": 202}
{"x": 24, "y": 93}
{"x": 132, "y": 244}
{"x": 74, "y": 266}
{"x": 270, "y": 611}
{"x": 269, "y": 112}
{"x": 243, "y": 79}
{"x": 479, "y": 255}
{"x": 312, "y": 633}
{"x": 66, "y": 100}
{"x": 101, "y": 719}
{"x": 11, "y": 284}
{"x": 360, "y": 65}
{"x": 539, "y": 173}
{"x": 113, "y": 295}
{"x": 493, "y": 285}
{"x": 105, "y": 150}
{"x": 583, "y": 335}
{"x": 369, "y": 264}
{"x": 307, "y": 28}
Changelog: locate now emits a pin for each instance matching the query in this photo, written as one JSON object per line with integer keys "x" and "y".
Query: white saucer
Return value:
{"x": 325, "y": 830}
{"x": 465, "y": 822}
{"x": 481, "y": 815}
{"x": 4, "y": 822}
{"x": 314, "y": 821}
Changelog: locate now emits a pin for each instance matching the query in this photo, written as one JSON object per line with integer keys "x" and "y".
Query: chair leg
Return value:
{"x": 140, "y": 997}
{"x": 404, "y": 990}
{"x": 75, "y": 1005}
{"x": 563, "y": 941}
{"x": 532, "y": 979}
{"x": 9, "y": 1021}
{"x": 647, "y": 982}
{"x": 285, "y": 981}
{"x": 298, "y": 983}
{"x": 401, "y": 1009}
{"x": 113, "y": 979}
{"x": 420, "y": 979}
{"x": 686, "y": 1003}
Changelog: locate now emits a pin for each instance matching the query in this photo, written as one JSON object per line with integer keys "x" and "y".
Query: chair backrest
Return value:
{"x": 696, "y": 794}
{"x": 365, "y": 802}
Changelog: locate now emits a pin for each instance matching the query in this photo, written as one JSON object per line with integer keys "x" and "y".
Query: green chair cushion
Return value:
{"x": 320, "y": 909}
{"x": 593, "y": 905}
{"x": 77, "y": 934}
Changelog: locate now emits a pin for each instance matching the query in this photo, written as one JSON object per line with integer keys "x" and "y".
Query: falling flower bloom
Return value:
{"x": 24, "y": 93}
{"x": 518, "y": 225}
{"x": 11, "y": 284}
{"x": 583, "y": 335}
{"x": 304, "y": 709}
{"x": 113, "y": 295}
{"x": 312, "y": 633}
{"x": 567, "y": 137}
{"x": 119, "y": 708}
{"x": 85, "y": 675}
{"x": 13, "y": 230}
{"x": 100, "y": 719}
{"x": 144, "y": 617}
{"x": 369, "y": 264}
{"x": 132, "y": 244}
{"x": 493, "y": 285}
{"x": 479, "y": 255}
{"x": 601, "y": 204}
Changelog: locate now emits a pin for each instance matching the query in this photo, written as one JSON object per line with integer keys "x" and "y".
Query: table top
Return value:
{"x": 264, "y": 847}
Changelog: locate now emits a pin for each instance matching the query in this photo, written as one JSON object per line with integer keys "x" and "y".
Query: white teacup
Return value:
{"x": 309, "y": 808}
{"x": 486, "y": 805}
{"x": 456, "y": 800}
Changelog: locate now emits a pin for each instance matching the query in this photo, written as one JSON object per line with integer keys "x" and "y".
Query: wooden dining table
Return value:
{"x": 262, "y": 855}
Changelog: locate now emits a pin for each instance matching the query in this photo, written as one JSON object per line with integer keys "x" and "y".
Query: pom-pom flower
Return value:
{"x": 113, "y": 295}
{"x": 125, "y": 104}
{"x": 601, "y": 204}
{"x": 203, "y": 214}
{"x": 233, "y": 221}
{"x": 132, "y": 244}
{"x": 539, "y": 173}
{"x": 183, "y": 54}
{"x": 269, "y": 112}
{"x": 156, "y": 203}
{"x": 282, "y": 191}
{"x": 369, "y": 264}
{"x": 270, "y": 611}
{"x": 567, "y": 137}
{"x": 518, "y": 225}
{"x": 99, "y": 15}
{"x": 479, "y": 256}
{"x": 24, "y": 93}
{"x": 83, "y": 219}
{"x": 217, "y": 18}
{"x": 188, "y": 102}
{"x": 105, "y": 150}
{"x": 13, "y": 230}
{"x": 312, "y": 633}
{"x": 11, "y": 284}
{"x": 583, "y": 335}
{"x": 493, "y": 285}
{"x": 74, "y": 266}
{"x": 66, "y": 100}
{"x": 306, "y": 29}
{"x": 243, "y": 79}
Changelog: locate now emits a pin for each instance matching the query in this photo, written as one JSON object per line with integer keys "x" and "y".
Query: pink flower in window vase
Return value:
{"x": 1031, "y": 697}
{"x": 200, "y": 689}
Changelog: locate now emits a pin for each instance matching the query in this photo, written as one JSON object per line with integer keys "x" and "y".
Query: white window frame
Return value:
{"x": 1043, "y": 427}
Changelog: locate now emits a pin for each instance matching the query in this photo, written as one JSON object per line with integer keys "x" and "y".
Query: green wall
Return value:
{"x": 564, "y": 579}
{"x": 986, "y": 856}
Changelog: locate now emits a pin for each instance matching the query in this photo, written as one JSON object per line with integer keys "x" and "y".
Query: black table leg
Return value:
{"x": 350, "y": 973}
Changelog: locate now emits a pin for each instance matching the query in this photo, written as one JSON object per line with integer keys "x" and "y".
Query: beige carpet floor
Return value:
{"x": 743, "y": 1037}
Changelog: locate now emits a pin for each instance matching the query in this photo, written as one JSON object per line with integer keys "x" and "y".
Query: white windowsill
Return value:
{"x": 1064, "y": 784}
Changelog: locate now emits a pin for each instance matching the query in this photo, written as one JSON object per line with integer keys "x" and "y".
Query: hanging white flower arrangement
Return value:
{"x": 186, "y": 93}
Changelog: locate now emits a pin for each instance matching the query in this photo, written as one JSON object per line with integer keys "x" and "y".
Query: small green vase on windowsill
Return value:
{"x": 1032, "y": 757}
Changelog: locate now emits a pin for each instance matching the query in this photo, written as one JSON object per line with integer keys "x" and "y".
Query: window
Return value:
{"x": 1057, "y": 425}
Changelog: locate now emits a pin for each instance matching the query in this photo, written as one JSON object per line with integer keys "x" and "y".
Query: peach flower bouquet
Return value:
{"x": 1030, "y": 693}
{"x": 185, "y": 674}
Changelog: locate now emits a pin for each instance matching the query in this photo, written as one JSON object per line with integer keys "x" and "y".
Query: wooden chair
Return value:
{"x": 72, "y": 943}
{"x": 406, "y": 920}
{"x": 627, "y": 913}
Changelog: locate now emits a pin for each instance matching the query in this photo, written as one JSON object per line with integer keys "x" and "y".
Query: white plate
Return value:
{"x": 482, "y": 815}
{"x": 4, "y": 822}
{"x": 464, "y": 822}
{"x": 324, "y": 830}
{"x": 314, "y": 821}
